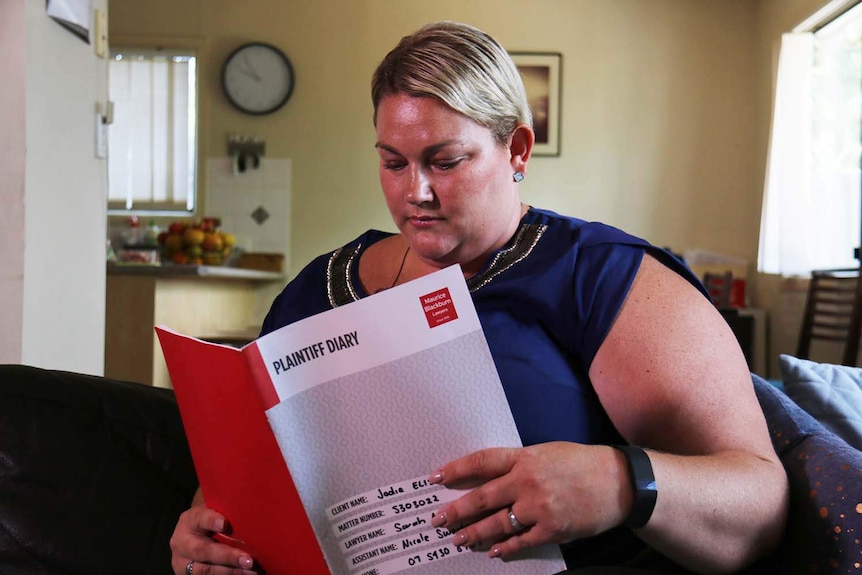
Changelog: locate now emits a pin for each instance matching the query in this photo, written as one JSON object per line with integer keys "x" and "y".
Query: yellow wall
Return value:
{"x": 659, "y": 106}
{"x": 665, "y": 111}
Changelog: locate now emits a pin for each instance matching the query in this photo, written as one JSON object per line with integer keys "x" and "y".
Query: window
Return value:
{"x": 811, "y": 212}
{"x": 152, "y": 142}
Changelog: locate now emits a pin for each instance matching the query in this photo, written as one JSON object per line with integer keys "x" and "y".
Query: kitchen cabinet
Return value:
{"x": 210, "y": 302}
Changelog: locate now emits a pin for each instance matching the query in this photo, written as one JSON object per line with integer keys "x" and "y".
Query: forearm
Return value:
{"x": 716, "y": 513}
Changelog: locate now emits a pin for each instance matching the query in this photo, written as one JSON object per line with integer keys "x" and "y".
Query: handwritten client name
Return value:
{"x": 315, "y": 351}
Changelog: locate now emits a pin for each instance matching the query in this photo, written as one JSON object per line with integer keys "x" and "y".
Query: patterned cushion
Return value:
{"x": 825, "y": 474}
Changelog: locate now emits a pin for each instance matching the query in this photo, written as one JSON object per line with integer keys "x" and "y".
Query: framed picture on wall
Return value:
{"x": 541, "y": 74}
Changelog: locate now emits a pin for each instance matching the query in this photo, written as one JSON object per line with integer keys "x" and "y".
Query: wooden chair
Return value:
{"x": 833, "y": 312}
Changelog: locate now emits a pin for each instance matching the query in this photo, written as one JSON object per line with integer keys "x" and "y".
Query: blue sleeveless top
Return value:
{"x": 546, "y": 301}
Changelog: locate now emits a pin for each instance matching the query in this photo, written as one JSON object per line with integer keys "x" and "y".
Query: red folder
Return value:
{"x": 240, "y": 467}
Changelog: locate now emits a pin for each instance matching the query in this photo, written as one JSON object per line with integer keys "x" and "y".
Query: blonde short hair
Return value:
{"x": 461, "y": 66}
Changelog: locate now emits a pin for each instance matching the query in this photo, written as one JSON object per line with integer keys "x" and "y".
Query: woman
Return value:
{"x": 600, "y": 339}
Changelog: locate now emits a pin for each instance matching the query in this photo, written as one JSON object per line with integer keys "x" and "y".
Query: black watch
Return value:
{"x": 643, "y": 485}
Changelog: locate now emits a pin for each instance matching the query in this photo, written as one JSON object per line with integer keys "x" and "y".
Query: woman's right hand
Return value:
{"x": 193, "y": 541}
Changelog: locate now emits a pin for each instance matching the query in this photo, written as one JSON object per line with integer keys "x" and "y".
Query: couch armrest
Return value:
{"x": 93, "y": 474}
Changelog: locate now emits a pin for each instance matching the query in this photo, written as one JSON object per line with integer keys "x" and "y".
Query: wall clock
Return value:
{"x": 257, "y": 78}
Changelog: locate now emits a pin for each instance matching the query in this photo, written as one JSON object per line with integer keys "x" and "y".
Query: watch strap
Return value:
{"x": 643, "y": 485}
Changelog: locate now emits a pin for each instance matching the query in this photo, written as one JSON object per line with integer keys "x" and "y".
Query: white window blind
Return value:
{"x": 811, "y": 208}
{"x": 152, "y": 142}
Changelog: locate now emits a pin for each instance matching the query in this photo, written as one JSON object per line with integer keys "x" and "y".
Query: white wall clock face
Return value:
{"x": 257, "y": 78}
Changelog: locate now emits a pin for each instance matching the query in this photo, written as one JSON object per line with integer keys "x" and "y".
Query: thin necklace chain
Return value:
{"x": 398, "y": 275}
{"x": 401, "y": 267}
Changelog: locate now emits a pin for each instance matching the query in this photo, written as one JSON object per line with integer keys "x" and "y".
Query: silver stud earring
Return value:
{"x": 518, "y": 176}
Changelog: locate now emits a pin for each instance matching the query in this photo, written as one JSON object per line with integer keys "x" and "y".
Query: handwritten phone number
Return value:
{"x": 415, "y": 504}
{"x": 438, "y": 553}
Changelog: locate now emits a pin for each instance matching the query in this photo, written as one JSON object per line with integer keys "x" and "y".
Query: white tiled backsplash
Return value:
{"x": 254, "y": 205}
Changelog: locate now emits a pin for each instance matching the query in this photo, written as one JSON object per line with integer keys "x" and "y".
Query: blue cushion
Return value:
{"x": 830, "y": 393}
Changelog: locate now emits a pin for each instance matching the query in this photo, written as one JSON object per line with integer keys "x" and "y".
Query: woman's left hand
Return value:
{"x": 557, "y": 491}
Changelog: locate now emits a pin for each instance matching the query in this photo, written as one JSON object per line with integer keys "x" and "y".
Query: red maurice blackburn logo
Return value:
{"x": 438, "y": 307}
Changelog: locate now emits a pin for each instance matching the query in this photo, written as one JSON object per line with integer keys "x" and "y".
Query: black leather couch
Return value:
{"x": 95, "y": 472}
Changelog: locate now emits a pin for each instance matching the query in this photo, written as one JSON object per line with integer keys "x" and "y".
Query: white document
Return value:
{"x": 72, "y": 14}
{"x": 366, "y": 401}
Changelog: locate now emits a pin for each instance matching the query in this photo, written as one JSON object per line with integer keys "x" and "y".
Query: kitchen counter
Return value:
{"x": 215, "y": 303}
{"x": 192, "y": 271}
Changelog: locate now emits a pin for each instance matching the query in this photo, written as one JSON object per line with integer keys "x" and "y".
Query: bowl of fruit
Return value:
{"x": 196, "y": 242}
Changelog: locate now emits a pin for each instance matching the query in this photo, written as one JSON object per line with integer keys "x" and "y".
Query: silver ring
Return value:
{"x": 190, "y": 567}
{"x": 513, "y": 521}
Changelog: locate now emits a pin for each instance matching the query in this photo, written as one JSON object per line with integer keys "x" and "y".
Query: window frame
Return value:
{"x": 149, "y": 47}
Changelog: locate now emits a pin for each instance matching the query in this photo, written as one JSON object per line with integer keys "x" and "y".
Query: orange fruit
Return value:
{"x": 212, "y": 242}
{"x": 174, "y": 243}
{"x": 193, "y": 237}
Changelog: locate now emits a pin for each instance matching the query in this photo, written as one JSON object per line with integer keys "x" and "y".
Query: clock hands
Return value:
{"x": 249, "y": 69}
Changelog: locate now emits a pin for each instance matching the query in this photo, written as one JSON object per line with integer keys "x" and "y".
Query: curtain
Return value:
{"x": 785, "y": 245}
{"x": 811, "y": 202}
